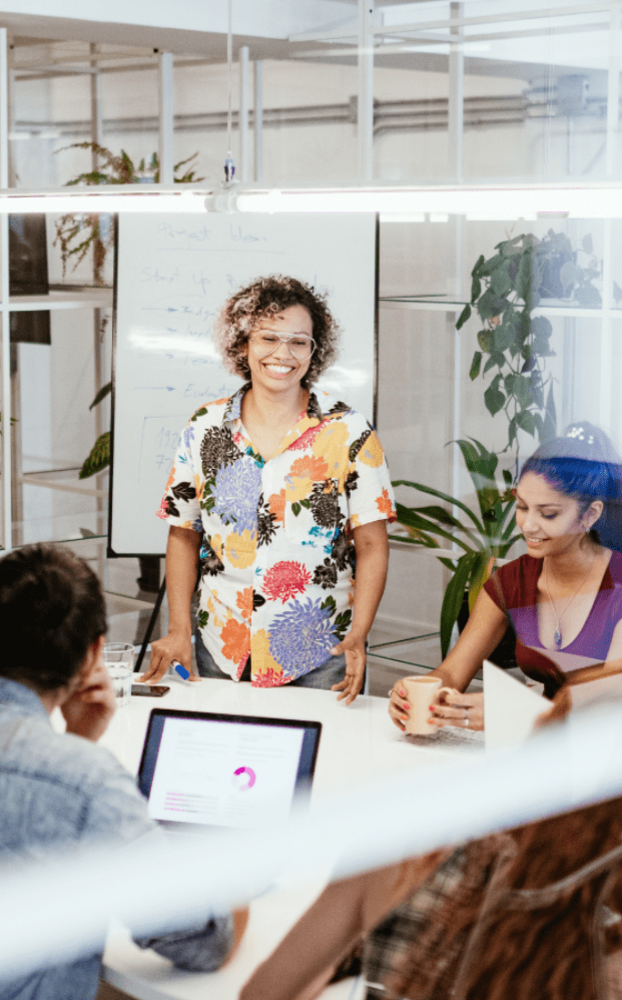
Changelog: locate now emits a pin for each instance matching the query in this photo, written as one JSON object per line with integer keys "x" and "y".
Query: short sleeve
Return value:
{"x": 180, "y": 504}
{"x": 494, "y": 589}
{"x": 368, "y": 484}
{"x": 515, "y": 585}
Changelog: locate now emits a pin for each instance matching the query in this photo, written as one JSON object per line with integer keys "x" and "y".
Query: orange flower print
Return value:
{"x": 199, "y": 484}
{"x": 170, "y": 480}
{"x": 384, "y": 505}
{"x": 277, "y": 505}
{"x": 240, "y": 549}
{"x": 332, "y": 444}
{"x": 216, "y": 543}
{"x": 236, "y": 640}
{"x": 265, "y": 671}
{"x": 297, "y": 488}
{"x": 244, "y": 602}
{"x": 303, "y": 473}
{"x": 311, "y": 467}
{"x": 371, "y": 453}
{"x": 285, "y": 579}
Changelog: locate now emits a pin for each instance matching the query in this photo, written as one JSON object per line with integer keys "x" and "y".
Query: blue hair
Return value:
{"x": 583, "y": 464}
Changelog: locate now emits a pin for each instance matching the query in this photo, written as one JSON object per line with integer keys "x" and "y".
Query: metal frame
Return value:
{"x": 5, "y": 333}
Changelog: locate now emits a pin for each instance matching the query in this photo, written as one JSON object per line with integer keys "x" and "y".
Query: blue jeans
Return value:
{"x": 332, "y": 671}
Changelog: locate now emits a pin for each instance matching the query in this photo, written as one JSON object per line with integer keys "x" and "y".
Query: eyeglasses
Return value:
{"x": 266, "y": 342}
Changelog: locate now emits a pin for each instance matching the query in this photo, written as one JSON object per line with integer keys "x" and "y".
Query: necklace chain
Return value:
{"x": 558, "y": 631}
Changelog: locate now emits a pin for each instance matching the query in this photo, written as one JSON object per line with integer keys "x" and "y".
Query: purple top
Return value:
{"x": 514, "y": 589}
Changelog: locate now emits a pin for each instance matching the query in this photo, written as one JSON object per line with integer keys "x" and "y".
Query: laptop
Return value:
{"x": 209, "y": 769}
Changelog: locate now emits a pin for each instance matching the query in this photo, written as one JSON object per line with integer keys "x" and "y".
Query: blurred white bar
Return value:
{"x": 55, "y": 913}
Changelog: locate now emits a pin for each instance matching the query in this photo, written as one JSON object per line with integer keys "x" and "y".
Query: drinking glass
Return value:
{"x": 119, "y": 662}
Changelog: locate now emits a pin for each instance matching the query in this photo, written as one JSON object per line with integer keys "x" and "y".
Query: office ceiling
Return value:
{"x": 282, "y": 29}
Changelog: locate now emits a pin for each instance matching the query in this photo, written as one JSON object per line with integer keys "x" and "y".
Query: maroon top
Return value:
{"x": 514, "y": 589}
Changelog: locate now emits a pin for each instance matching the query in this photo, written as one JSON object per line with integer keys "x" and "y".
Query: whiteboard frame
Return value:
{"x": 114, "y": 554}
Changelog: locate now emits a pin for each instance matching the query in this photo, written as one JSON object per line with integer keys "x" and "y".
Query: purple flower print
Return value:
{"x": 302, "y": 636}
{"x": 237, "y": 493}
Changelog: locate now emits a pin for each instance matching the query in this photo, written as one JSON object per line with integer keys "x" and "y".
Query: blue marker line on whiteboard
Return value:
{"x": 180, "y": 669}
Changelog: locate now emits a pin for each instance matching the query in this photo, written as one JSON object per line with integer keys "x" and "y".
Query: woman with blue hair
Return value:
{"x": 563, "y": 598}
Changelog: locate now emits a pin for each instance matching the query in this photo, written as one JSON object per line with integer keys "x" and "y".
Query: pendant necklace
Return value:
{"x": 558, "y": 631}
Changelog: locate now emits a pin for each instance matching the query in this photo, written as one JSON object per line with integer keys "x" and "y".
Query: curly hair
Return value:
{"x": 267, "y": 297}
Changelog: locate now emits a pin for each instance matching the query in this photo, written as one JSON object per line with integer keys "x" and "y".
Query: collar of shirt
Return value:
{"x": 311, "y": 417}
{"x": 19, "y": 696}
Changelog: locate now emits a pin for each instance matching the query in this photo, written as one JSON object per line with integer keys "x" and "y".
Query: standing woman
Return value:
{"x": 563, "y": 599}
{"x": 280, "y": 497}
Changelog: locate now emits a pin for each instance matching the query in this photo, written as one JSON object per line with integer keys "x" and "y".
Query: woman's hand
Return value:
{"x": 451, "y": 708}
{"x": 177, "y": 645}
{"x": 356, "y": 657}
{"x": 398, "y": 706}
{"x": 90, "y": 708}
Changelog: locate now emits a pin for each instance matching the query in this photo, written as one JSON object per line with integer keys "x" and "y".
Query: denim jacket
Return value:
{"x": 59, "y": 791}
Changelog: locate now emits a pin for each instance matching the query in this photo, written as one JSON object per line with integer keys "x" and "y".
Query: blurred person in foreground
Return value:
{"x": 452, "y": 923}
{"x": 61, "y": 792}
{"x": 563, "y": 598}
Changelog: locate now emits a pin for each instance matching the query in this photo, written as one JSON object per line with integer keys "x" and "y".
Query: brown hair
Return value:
{"x": 547, "y": 952}
{"x": 267, "y": 297}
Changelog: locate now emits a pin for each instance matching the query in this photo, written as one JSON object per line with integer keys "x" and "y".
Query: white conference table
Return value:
{"x": 358, "y": 744}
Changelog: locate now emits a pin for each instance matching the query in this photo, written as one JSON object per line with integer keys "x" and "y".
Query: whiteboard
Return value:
{"x": 173, "y": 273}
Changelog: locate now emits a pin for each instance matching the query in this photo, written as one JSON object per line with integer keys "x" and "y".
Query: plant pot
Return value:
{"x": 503, "y": 655}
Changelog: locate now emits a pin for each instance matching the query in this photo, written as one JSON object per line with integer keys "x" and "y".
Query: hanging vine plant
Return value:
{"x": 77, "y": 235}
{"x": 513, "y": 344}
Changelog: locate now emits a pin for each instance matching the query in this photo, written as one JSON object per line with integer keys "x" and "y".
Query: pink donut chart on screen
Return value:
{"x": 208, "y": 769}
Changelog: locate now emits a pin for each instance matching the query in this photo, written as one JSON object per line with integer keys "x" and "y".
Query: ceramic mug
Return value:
{"x": 421, "y": 692}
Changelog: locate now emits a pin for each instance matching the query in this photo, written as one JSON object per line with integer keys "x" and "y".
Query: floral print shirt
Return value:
{"x": 277, "y": 558}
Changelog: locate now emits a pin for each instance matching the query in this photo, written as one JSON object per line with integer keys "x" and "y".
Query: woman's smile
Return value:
{"x": 278, "y": 370}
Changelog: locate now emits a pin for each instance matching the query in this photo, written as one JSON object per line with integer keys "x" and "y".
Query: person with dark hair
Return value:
{"x": 280, "y": 497}
{"x": 563, "y": 599}
{"x": 61, "y": 792}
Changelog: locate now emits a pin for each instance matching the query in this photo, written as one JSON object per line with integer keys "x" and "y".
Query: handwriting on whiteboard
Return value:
{"x": 240, "y": 238}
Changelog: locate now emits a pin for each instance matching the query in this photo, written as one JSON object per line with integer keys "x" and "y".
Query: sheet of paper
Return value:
{"x": 510, "y": 709}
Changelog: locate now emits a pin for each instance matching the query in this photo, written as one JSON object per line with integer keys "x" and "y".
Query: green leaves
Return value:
{"x": 99, "y": 457}
{"x": 103, "y": 392}
{"x": 493, "y": 397}
{"x": 513, "y": 344}
{"x": 500, "y": 280}
{"x": 454, "y": 596}
{"x": 490, "y": 537}
{"x": 475, "y": 365}
{"x": 463, "y": 317}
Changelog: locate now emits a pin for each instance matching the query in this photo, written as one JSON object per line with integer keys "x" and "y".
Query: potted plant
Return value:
{"x": 513, "y": 344}
{"x": 76, "y": 235}
{"x": 486, "y": 535}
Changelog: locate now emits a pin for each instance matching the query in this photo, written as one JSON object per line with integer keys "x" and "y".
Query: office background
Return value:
{"x": 326, "y": 93}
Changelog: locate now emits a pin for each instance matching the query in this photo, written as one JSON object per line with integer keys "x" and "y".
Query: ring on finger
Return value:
{"x": 466, "y": 719}
{"x": 390, "y": 692}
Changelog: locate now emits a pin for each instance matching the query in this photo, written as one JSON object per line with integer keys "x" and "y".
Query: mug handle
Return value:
{"x": 443, "y": 694}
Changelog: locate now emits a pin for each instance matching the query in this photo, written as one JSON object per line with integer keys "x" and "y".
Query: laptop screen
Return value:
{"x": 225, "y": 770}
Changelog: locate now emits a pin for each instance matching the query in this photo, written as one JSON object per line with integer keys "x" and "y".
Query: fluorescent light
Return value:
{"x": 147, "y": 198}
{"x": 491, "y": 202}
